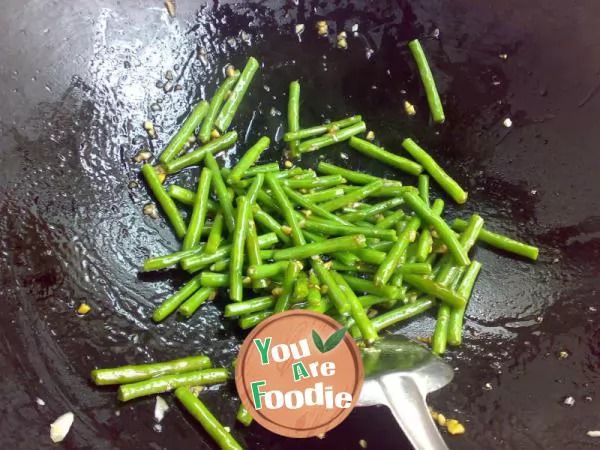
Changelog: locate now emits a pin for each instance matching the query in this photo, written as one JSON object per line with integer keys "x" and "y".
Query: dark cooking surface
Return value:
{"x": 77, "y": 80}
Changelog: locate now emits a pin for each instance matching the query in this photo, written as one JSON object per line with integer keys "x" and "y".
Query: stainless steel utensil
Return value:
{"x": 399, "y": 373}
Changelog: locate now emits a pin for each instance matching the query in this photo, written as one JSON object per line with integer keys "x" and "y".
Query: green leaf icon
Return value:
{"x": 318, "y": 341}
{"x": 331, "y": 342}
{"x": 334, "y": 339}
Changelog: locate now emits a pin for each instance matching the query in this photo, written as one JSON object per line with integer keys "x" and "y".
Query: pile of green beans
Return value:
{"x": 267, "y": 239}
{"x": 177, "y": 375}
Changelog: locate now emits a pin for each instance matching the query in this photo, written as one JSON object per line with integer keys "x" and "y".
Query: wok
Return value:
{"x": 78, "y": 79}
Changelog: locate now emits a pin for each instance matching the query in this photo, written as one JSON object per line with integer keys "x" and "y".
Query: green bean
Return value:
{"x": 294, "y": 115}
{"x": 424, "y": 246}
{"x": 313, "y": 237}
{"x": 286, "y": 173}
{"x": 438, "y": 206}
{"x": 291, "y": 273}
{"x": 225, "y": 117}
{"x": 320, "y": 129}
{"x": 307, "y": 204}
{"x": 363, "y": 223}
{"x": 386, "y": 246}
{"x": 328, "y": 194}
{"x": 414, "y": 268}
{"x": 501, "y": 242}
{"x": 333, "y": 228}
{"x": 240, "y": 233}
{"x": 196, "y": 156}
{"x": 352, "y": 175}
{"x": 252, "y": 320}
{"x": 192, "y": 237}
{"x": 217, "y": 280}
{"x": 249, "y": 306}
{"x": 243, "y": 416}
{"x": 471, "y": 233}
{"x": 162, "y": 262}
{"x": 209, "y": 422}
{"x": 225, "y": 171}
{"x": 187, "y": 129}
{"x": 314, "y": 290}
{"x": 393, "y": 190}
{"x": 389, "y": 264}
{"x": 390, "y": 220}
{"x": 190, "y": 306}
{"x": 138, "y": 372}
{"x": 309, "y": 173}
{"x": 367, "y": 301}
{"x": 423, "y": 186}
{"x": 270, "y": 224}
{"x": 350, "y": 324}
{"x": 465, "y": 288}
{"x": 344, "y": 257}
{"x": 373, "y": 210}
{"x": 425, "y": 242}
{"x": 186, "y": 197}
{"x": 255, "y": 187}
{"x": 166, "y": 383}
{"x": 199, "y": 261}
{"x": 439, "y": 337}
{"x": 433, "y": 98}
{"x": 352, "y": 196}
{"x": 182, "y": 195}
{"x": 322, "y": 307}
{"x": 267, "y": 202}
{"x": 362, "y": 285}
{"x": 292, "y": 172}
{"x": 431, "y": 259}
{"x": 434, "y": 289}
{"x": 314, "y": 182}
{"x": 346, "y": 243}
{"x": 166, "y": 202}
{"x": 443, "y": 230}
{"x": 445, "y": 277}
{"x": 358, "y": 206}
{"x": 215, "y": 235}
{"x": 300, "y": 288}
{"x": 334, "y": 292}
{"x": 286, "y": 209}
{"x": 396, "y": 279}
{"x": 214, "y": 279}
{"x": 402, "y": 313}
{"x": 221, "y": 265}
{"x": 337, "y": 265}
{"x": 223, "y": 196}
{"x": 370, "y": 256}
{"x": 357, "y": 311}
{"x": 253, "y": 249}
{"x": 214, "y": 107}
{"x": 248, "y": 159}
{"x": 328, "y": 139}
{"x": 380, "y": 154}
{"x": 437, "y": 173}
{"x": 167, "y": 307}
{"x": 263, "y": 168}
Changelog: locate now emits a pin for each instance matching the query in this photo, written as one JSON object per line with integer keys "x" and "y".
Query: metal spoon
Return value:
{"x": 399, "y": 373}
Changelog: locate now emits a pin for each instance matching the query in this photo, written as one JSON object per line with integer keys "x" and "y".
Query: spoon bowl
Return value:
{"x": 399, "y": 373}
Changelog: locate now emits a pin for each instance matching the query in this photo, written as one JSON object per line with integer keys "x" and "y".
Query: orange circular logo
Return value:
{"x": 299, "y": 373}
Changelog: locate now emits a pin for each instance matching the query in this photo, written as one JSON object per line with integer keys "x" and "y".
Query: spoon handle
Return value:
{"x": 409, "y": 408}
